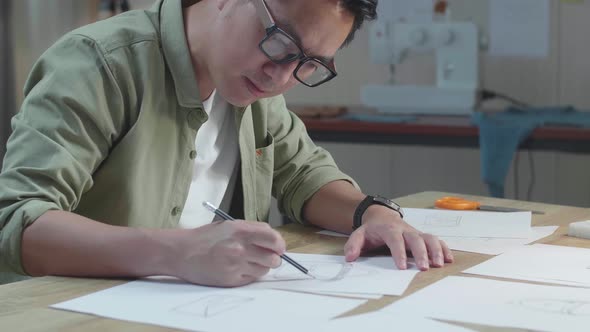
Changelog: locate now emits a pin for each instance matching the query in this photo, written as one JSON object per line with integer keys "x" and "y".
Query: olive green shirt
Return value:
{"x": 107, "y": 130}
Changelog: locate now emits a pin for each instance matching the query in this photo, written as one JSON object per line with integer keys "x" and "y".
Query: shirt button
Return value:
{"x": 175, "y": 211}
{"x": 193, "y": 154}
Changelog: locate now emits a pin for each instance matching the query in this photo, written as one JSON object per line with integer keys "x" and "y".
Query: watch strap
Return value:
{"x": 357, "y": 219}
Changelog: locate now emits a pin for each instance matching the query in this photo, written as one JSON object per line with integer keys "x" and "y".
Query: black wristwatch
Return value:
{"x": 368, "y": 201}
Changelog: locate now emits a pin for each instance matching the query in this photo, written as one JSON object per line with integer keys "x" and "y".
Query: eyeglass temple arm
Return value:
{"x": 263, "y": 13}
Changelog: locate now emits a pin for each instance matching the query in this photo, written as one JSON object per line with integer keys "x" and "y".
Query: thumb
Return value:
{"x": 352, "y": 248}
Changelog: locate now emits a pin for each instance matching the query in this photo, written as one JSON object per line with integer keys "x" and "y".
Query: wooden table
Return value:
{"x": 24, "y": 305}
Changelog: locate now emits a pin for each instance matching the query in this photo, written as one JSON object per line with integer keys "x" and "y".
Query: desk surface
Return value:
{"x": 435, "y": 130}
{"x": 24, "y": 305}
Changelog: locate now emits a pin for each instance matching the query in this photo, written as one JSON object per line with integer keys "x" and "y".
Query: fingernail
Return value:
{"x": 439, "y": 260}
{"x": 403, "y": 264}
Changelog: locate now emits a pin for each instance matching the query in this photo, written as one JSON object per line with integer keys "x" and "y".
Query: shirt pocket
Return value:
{"x": 264, "y": 176}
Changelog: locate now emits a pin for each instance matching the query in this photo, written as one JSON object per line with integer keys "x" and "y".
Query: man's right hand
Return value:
{"x": 230, "y": 253}
{"x": 227, "y": 254}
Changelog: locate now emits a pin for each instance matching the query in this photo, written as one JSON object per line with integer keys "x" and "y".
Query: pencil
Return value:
{"x": 226, "y": 216}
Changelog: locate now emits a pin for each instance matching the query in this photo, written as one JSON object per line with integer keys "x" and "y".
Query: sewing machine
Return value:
{"x": 457, "y": 67}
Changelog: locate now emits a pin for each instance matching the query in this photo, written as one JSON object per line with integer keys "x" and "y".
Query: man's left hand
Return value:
{"x": 382, "y": 226}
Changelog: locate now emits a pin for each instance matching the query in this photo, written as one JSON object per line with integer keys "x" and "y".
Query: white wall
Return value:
{"x": 39, "y": 23}
{"x": 561, "y": 78}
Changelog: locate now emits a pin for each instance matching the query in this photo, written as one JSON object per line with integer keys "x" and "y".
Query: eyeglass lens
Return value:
{"x": 282, "y": 49}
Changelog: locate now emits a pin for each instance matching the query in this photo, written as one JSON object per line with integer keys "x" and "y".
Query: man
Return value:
{"x": 129, "y": 124}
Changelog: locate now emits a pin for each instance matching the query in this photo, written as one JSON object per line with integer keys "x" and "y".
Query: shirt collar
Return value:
{"x": 177, "y": 54}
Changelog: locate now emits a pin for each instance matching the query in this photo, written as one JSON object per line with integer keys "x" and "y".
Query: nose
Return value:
{"x": 280, "y": 73}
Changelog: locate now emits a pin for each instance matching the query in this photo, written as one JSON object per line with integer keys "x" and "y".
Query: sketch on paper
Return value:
{"x": 212, "y": 305}
{"x": 459, "y": 239}
{"x": 326, "y": 271}
{"x": 442, "y": 221}
{"x": 556, "y": 306}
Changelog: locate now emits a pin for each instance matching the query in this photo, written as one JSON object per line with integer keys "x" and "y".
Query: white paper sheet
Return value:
{"x": 377, "y": 321}
{"x": 482, "y": 245}
{"x": 371, "y": 275}
{"x": 175, "y": 304}
{"x": 540, "y": 262}
{"x": 350, "y": 294}
{"x": 470, "y": 223}
{"x": 495, "y": 246}
{"x": 500, "y": 303}
{"x": 519, "y": 28}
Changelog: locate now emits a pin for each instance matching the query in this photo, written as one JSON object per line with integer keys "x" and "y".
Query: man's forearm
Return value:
{"x": 67, "y": 244}
{"x": 332, "y": 207}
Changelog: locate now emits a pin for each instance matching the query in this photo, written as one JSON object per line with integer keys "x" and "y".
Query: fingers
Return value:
{"x": 447, "y": 252}
{"x": 228, "y": 254}
{"x": 395, "y": 242}
{"x": 352, "y": 248}
{"x": 415, "y": 243}
{"x": 261, "y": 235}
{"x": 242, "y": 265}
{"x": 255, "y": 271}
{"x": 438, "y": 251}
{"x": 263, "y": 257}
{"x": 435, "y": 251}
{"x": 250, "y": 274}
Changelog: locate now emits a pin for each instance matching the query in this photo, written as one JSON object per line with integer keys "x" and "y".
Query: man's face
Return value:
{"x": 241, "y": 72}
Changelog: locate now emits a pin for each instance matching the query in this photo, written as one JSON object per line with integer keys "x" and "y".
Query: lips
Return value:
{"x": 254, "y": 89}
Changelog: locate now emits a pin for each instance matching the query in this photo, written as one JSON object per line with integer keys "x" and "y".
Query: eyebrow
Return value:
{"x": 291, "y": 31}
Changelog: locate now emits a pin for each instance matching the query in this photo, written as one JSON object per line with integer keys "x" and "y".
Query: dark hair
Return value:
{"x": 361, "y": 10}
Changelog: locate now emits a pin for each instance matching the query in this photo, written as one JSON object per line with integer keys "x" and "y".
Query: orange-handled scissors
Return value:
{"x": 458, "y": 203}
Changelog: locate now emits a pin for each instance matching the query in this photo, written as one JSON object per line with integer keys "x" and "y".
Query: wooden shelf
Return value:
{"x": 457, "y": 131}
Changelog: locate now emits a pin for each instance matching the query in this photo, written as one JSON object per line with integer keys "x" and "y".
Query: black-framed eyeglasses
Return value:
{"x": 280, "y": 48}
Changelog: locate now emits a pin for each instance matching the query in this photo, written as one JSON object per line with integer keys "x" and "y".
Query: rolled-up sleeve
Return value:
{"x": 70, "y": 118}
{"x": 301, "y": 167}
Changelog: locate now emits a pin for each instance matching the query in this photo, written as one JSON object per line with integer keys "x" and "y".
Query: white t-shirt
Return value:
{"x": 214, "y": 172}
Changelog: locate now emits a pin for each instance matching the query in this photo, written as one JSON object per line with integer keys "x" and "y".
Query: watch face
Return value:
{"x": 386, "y": 201}
{"x": 393, "y": 205}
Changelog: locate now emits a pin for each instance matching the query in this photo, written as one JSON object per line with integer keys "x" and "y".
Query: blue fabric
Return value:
{"x": 500, "y": 134}
{"x": 385, "y": 118}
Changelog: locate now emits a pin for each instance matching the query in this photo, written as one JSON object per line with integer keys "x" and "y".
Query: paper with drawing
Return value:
{"x": 501, "y": 303}
{"x": 483, "y": 245}
{"x": 376, "y": 321}
{"x": 176, "y": 304}
{"x": 372, "y": 275}
{"x": 540, "y": 262}
{"x": 470, "y": 223}
{"x": 495, "y": 245}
